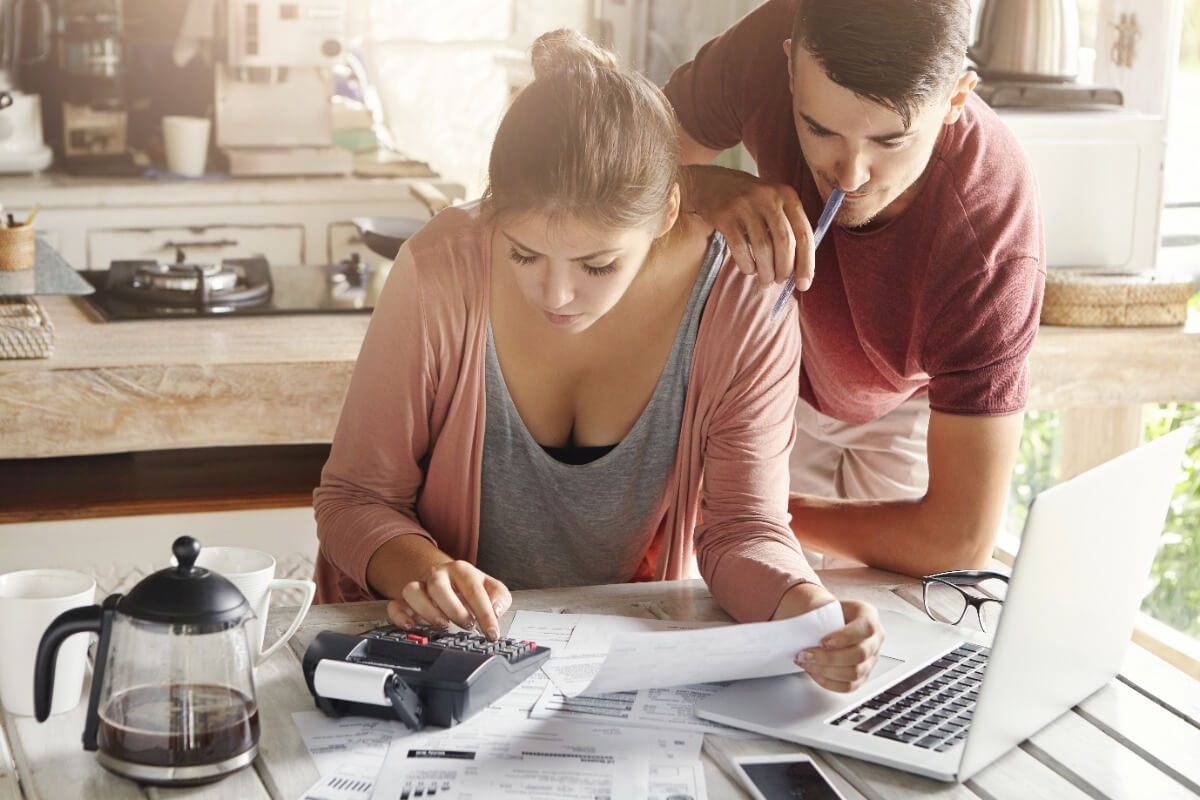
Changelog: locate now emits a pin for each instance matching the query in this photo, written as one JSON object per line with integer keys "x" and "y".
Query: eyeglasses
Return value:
{"x": 946, "y": 601}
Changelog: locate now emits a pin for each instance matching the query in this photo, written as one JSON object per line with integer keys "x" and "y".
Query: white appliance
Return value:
{"x": 22, "y": 148}
{"x": 273, "y": 89}
{"x": 1100, "y": 181}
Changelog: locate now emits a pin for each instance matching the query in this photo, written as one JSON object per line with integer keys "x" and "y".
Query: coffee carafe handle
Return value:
{"x": 86, "y": 619}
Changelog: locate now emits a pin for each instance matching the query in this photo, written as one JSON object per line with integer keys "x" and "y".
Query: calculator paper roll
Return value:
{"x": 358, "y": 683}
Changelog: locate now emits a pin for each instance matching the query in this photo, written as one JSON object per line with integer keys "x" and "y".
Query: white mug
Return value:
{"x": 186, "y": 140}
{"x": 253, "y": 573}
{"x": 29, "y": 601}
{"x": 21, "y": 124}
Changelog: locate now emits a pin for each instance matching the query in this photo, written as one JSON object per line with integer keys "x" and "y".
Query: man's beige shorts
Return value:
{"x": 880, "y": 460}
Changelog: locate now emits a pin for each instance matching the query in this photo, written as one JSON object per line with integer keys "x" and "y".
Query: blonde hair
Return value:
{"x": 586, "y": 138}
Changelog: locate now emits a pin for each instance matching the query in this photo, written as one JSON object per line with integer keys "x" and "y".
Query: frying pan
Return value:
{"x": 385, "y": 235}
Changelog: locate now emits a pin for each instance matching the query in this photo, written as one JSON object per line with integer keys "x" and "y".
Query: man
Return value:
{"x": 920, "y": 307}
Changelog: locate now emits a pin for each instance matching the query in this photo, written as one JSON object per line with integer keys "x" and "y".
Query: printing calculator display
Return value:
{"x": 419, "y": 677}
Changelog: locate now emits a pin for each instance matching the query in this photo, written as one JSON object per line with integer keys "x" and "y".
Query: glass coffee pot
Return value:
{"x": 172, "y": 699}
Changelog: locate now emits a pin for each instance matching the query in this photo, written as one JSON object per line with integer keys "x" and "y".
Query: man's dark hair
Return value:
{"x": 898, "y": 53}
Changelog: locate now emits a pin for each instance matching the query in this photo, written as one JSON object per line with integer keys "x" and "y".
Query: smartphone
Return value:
{"x": 790, "y": 776}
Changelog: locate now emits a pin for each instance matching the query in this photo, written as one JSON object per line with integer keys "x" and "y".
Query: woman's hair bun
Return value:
{"x": 564, "y": 49}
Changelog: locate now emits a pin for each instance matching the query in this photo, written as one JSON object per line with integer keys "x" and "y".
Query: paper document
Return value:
{"x": 492, "y": 756}
{"x": 347, "y": 751}
{"x": 341, "y": 785}
{"x": 332, "y": 741}
{"x": 652, "y": 659}
{"x": 672, "y": 708}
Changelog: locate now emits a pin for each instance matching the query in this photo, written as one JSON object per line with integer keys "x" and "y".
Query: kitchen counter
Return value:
{"x": 157, "y": 384}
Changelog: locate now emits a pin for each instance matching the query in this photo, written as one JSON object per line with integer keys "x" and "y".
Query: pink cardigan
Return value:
{"x": 407, "y": 453}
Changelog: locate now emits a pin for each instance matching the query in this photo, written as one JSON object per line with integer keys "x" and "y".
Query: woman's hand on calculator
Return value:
{"x": 452, "y": 591}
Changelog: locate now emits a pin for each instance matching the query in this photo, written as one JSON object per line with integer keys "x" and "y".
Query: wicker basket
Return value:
{"x": 1095, "y": 298}
{"x": 25, "y": 330}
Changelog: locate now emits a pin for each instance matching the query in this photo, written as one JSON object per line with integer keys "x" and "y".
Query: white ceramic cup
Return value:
{"x": 29, "y": 601}
{"x": 186, "y": 140}
{"x": 21, "y": 124}
{"x": 253, "y": 573}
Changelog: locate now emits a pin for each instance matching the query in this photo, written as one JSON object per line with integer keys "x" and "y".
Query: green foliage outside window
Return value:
{"x": 1174, "y": 596}
{"x": 1189, "y": 50}
{"x": 1037, "y": 465}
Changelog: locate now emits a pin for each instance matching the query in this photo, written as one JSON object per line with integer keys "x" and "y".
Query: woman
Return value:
{"x": 549, "y": 373}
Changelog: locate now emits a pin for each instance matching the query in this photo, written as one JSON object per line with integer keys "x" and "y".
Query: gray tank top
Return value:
{"x": 543, "y": 523}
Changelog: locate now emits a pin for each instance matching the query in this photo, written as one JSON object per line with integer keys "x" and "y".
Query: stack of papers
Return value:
{"x": 597, "y": 721}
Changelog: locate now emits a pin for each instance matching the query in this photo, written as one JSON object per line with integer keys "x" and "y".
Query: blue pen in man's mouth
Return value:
{"x": 827, "y": 214}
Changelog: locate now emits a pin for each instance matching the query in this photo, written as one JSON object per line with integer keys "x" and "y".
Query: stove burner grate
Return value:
{"x": 230, "y": 283}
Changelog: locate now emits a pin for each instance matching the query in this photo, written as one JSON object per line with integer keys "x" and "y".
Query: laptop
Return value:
{"x": 943, "y": 705}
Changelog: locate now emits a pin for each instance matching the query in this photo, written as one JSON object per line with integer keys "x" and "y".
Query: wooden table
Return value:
{"x": 1137, "y": 738}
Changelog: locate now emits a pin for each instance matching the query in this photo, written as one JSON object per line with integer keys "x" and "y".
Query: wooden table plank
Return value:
{"x": 282, "y": 763}
{"x": 53, "y": 764}
{"x": 1162, "y": 683}
{"x": 1170, "y": 743}
{"x": 884, "y": 783}
{"x": 10, "y": 785}
{"x": 1020, "y": 776}
{"x": 1074, "y": 746}
{"x": 243, "y": 784}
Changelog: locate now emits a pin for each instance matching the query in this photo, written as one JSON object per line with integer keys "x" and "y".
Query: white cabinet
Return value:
{"x": 93, "y": 221}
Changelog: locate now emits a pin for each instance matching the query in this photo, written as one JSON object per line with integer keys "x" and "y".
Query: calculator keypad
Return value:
{"x": 511, "y": 650}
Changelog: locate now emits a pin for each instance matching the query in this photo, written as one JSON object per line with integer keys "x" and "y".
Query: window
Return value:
{"x": 1181, "y": 177}
{"x": 1172, "y": 600}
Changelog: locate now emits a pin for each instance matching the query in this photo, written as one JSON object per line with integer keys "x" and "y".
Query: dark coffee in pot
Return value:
{"x": 178, "y": 725}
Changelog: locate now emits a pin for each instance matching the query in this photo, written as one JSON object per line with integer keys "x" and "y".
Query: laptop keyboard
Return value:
{"x": 931, "y": 708}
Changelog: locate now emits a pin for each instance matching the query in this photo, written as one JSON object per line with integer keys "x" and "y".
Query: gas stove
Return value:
{"x": 131, "y": 290}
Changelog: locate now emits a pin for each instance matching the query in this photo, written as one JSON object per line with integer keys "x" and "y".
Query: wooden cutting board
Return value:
{"x": 1099, "y": 298}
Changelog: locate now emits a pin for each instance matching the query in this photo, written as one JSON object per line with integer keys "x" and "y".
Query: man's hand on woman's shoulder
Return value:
{"x": 764, "y": 223}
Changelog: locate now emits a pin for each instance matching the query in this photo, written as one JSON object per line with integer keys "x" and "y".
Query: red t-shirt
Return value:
{"x": 946, "y": 296}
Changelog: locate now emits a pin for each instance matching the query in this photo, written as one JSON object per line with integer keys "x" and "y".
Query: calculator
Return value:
{"x": 420, "y": 677}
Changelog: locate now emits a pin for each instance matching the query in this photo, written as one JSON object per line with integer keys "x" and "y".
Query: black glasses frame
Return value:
{"x": 956, "y": 579}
